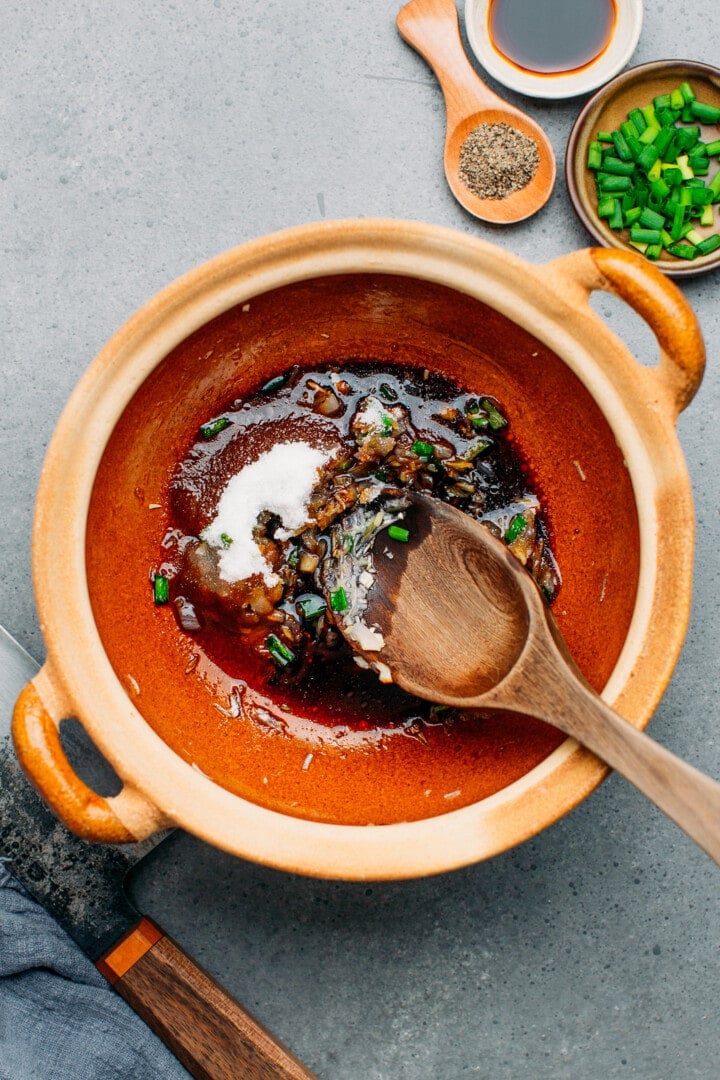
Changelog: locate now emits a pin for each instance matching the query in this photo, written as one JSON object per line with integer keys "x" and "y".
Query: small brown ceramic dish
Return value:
{"x": 605, "y": 111}
{"x": 597, "y": 428}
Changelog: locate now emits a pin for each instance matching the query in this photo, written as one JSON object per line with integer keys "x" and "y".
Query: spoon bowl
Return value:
{"x": 464, "y": 624}
{"x": 431, "y": 27}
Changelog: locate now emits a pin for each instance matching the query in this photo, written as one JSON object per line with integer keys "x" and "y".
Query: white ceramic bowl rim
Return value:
{"x": 613, "y": 59}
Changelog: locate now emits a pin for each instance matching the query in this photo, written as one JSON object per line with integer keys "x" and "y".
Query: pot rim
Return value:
{"x": 550, "y": 302}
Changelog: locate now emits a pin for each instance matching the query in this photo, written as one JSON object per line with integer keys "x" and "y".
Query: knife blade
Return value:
{"x": 82, "y": 886}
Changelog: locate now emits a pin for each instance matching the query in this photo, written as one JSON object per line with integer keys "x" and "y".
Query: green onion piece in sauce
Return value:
{"x": 396, "y": 532}
{"x": 422, "y": 449}
{"x": 214, "y": 427}
{"x": 476, "y": 448}
{"x": 495, "y": 417}
{"x": 293, "y": 557}
{"x": 311, "y": 606}
{"x": 279, "y": 651}
{"x": 339, "y": 600}
{"x": 273, "y": 384}
{"x": 514, "y": 529}
{"x": 225, "y": 540}
{"x": 161, "y": 589}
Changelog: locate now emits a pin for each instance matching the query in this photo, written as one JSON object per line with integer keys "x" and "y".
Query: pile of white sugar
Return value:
{"x": 280, "y": 482}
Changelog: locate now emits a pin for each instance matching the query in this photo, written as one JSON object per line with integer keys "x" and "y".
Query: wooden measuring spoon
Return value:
{"x": 464, "y": 624}
{"x": 431, "y": 27}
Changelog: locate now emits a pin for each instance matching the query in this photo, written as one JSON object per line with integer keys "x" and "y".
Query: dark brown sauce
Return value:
{"x": 551, "y": 37}
{"x": 332, "y": 690}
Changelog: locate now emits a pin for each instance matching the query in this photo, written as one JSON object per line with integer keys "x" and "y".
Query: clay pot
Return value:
{"x": 597, "y": 427}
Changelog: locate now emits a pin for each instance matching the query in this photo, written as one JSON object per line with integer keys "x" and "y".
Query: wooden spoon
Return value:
{"x": 465, "y": 625}
{"x": 431, "y": 27}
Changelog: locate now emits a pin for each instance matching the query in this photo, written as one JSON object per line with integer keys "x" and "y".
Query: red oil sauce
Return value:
{"x": 551, "y": 37}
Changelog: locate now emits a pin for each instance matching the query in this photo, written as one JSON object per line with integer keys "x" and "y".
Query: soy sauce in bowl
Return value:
{"x": 553, "y": 36}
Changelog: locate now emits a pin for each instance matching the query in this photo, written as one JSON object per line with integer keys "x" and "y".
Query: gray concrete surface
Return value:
{"x": 137, "y": 141}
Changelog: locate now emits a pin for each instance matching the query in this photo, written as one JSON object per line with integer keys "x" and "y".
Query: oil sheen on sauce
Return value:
{"x": 551, "y": 37}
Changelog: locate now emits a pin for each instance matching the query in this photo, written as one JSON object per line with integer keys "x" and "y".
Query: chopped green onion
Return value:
{"x": 310, "y": 606}
{"x": 648, "y": 158}
{"x": 396, "y": 532}
{"x": 700, "y": 196}
{"x": 621, "y": 147}
{"x": 635, "y": 147}
{"x": 683, "y": 251}
{"x": 706, "y": 114}
{"x": 387, "y": 423}
{"x": 648, "y": 112}
{"x": 636, "y": 117}
{"x": 649, "y": 135}
{"x": 650, "y": 175}
{"x": 495, "y": 417}
{"x": 667, "y": 117}
{"x": 514, "y": 529}
{"x": 225, "y": 540}
{"x": 279, "y": 651}
{"x": 651, "y": 220}
{"x": 348, "y": 543}
{"x": 617, "y": 167}
{"x": 476, "y": 448}
{"x": 605, "y": 209}
{"x": 161, "y": 589}
{"x": 387, "y": 392}
{"x": 214, "y": 427}
{"x": 292, "y": 559}
{"x": 608, "y": 183}
{"x": 712, "y": 243}
{"x": 644, "y": 236}
{"x": 616, "y": 221}
{"x": 673, "y": 175}
{"x": 594, "y": 158}
{"x": 273, "y": 385}
{"x": 339, "y": 600}
{"x": 423, "y": 449}
{"x": 663, "y": 140}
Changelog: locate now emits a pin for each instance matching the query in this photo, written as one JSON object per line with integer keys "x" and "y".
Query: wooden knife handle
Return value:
{"x": 209, "y": 1033}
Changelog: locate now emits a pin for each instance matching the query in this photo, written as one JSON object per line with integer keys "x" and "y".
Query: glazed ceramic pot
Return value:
{"x": 596, "y": 426}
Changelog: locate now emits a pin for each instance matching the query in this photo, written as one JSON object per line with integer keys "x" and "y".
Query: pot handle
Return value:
{"x": 656, "y": 299}
{"x": 125, "y": 818}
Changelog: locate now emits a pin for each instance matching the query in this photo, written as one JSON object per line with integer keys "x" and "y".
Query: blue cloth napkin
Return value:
{"x": 59, "y": 1018}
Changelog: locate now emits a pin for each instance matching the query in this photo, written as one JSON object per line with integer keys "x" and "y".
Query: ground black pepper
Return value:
{"x": 497, "y": 160}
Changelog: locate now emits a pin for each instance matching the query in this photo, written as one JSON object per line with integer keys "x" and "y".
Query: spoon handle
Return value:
{"x": 431, "y": 27}
{"x": 687, "y": 796}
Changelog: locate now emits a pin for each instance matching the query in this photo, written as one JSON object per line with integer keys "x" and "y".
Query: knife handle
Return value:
{"x": 209, "y": 1033}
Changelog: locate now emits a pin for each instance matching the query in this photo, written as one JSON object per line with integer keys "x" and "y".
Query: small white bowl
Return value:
{"x": 628, "y": 23}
